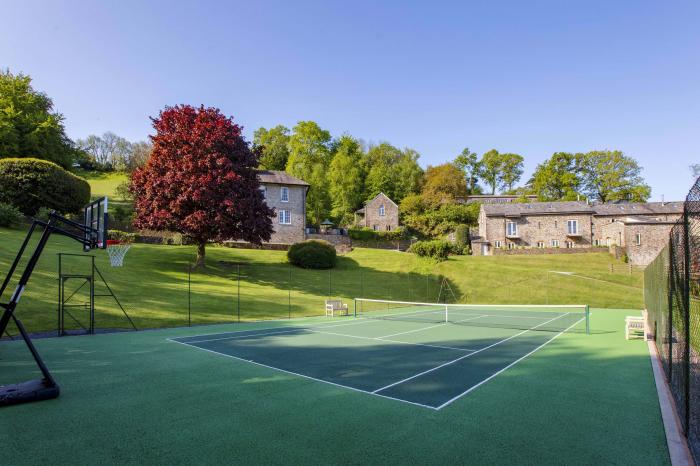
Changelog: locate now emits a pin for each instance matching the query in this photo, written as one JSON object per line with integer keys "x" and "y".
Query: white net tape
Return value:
{"x": 116, "y": 253}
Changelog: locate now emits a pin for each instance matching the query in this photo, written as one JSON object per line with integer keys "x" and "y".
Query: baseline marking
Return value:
{"x": 465, "y": 356}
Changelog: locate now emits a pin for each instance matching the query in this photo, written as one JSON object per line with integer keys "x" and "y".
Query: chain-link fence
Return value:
{"x": 672, "y": 299}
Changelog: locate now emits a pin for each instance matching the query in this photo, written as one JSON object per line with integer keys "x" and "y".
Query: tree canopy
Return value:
{"x": 346, "y": 179}
{"x": 29, "y": 126}
{"x": 200, "y": 180}
{"x": 613, "y": 176}
{"x": 469, "y": 163}
{"x": 558, "y": 178}
{"x": 273, "y": 145}
{"x": 443, "y": 184}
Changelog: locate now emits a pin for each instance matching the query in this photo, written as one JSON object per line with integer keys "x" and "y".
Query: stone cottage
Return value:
{"x": 641, "y": 228}
{"x": 380, "y": 213}
{"x": 287, "y": 196}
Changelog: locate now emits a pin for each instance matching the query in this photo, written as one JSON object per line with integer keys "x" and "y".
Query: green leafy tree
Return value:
{"x": 309, "y": 158}
{"x": 511, "y": 171}
{"x": 394, "y": 172}
{"x": 443, "y": 184}
{"x": 558, "y": 178}
{"x": 407, "y": 174}
{"x": 29, "y": 126}
{"x": 613, "y": 176}
{"x": 491, "y": 169}
{"x": 469, "y": 163}
{"x": 346, "y": 179}
{"x": 273, "y": 145}
{"x": 109, "y": 151}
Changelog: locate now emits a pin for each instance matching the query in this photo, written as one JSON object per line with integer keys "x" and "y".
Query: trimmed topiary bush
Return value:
{"x": 437, "y": 249}
{"x": 312, "y": 254}
{"x": 9, "y": 215}
{"x": 30, "y": 184}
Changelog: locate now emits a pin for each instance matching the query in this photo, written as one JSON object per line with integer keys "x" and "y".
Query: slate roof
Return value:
{"x": 536, "y": 208}
{"x": 639, "y": 208}
{"x": 579, "y": 207}
{"x": 279, "y": 177}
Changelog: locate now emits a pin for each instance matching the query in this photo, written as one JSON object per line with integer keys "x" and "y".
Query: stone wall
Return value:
{"x": 601, "y": 221}
{"x": 540, "y": 228}
{"x": 335, "y": 240}
{"x": 653, "y": 239}
{"x": 287, "y": 234}
{"x": 386, "y": 222}
{"x": 536, "y": 251}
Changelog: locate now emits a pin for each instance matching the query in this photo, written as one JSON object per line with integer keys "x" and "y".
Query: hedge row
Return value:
{"x": 368, "y": 234}
{"x": 30, "y": 184}
{"x": 436, "y": 249}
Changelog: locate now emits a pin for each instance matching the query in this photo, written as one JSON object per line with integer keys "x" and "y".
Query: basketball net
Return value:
{"x": 116, "y": 251}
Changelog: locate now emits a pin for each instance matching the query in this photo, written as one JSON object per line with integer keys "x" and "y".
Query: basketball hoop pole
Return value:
{"x": 45, "y": 388}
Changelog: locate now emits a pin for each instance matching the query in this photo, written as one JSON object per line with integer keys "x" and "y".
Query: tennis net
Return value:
{"x": 553, "y": 318}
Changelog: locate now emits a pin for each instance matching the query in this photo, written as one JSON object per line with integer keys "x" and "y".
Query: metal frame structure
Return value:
{"x": 91, "y": 235}
{"x": 64, "y": 300}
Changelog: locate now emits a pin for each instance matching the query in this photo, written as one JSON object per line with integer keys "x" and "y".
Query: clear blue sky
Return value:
{"x": 531, "y": 77}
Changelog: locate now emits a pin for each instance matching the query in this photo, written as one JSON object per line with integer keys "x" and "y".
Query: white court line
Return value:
{"x": 465, "y": 356}
{"x": 306, "y": 376}
{"x": 432, "y": 326}
{"x": 251, "y": 333}
{"x": 474, "y": 387}
{"x": 390, "y": 341}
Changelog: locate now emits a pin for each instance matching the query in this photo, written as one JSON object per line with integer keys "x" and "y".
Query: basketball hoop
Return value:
{"x": 116, "y": 251}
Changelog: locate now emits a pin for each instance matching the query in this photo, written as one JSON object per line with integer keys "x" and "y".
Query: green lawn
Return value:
{"x": 103, "y": 183}
{"x": 153, "y": 284}
{"x": 137, "y": 398}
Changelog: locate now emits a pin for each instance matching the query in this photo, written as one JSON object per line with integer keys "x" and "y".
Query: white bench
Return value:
{"x": 634, "y": 327}
{"x": 336, "y": 305}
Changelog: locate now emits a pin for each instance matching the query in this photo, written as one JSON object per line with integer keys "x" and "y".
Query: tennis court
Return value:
{"x": 428, "y": 355}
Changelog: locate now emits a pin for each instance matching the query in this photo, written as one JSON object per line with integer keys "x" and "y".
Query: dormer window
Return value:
{"x": 381, "y": 210}
{"x": 284, "y": 194}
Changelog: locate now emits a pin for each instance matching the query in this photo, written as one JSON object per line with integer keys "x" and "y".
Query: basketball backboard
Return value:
{"x": 95, "y": 221}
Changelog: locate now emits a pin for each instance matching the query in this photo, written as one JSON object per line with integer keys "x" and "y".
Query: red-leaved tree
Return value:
{"x": 200, "y": 180}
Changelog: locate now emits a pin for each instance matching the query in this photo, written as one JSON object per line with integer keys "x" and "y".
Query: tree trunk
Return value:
{"x": 200, "y": 255}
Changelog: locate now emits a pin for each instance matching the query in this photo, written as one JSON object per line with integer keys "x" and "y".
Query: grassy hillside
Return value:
{"x": 103, "y": 183}
{"x": 153, "y": 284}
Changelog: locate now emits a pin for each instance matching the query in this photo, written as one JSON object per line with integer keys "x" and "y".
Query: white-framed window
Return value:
{"x": 381, "y": 210}
{"x": 284, "y": 194}
{"x": 540, "y": 244}
{"x": 375, "y": 227}
{"x": 556, "y": 224}
{"x": 497, "y": 244}
{"x": 511, "y": 245}
{"x": 554, "y": 243}
{"x": 388, "y": 228}
{"x": 569, "y": 244}
{"x": 638, "y": 239}
{"x": 284, "y": 217}
{"x": 596, "y": 242}
{"x": 511, "y": 229}
{"x": 572, "y": 227}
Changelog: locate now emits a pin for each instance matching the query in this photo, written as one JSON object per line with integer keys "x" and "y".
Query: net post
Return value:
{"x": 588, "y": 319}
{"x": 447, "y": 315}
{"x": 354, "y": 305}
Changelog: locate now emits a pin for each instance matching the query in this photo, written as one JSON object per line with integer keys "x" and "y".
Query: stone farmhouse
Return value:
{"x": 641, "y": 229}
{"x": 379, "y": 213}
{"x": 287, "y": 195}
{"x": 496, "y": 198}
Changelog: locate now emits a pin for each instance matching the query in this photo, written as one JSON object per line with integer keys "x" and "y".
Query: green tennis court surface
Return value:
{"x": 425, "y": 354}
{"x": 139, "y": 398}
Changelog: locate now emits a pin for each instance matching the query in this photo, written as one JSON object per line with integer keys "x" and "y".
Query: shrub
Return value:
{"x": 42, "y": 214}
{"x": 312, "y": 254}
{"x": 462, "y": 236}
{"x": 436, "y": 249}
{"x": 10, "y": 215}
{"x": 31, "y": 184}
{"x": 368, "y": 234}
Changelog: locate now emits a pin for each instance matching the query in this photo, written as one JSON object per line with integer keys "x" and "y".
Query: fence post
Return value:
{"x": 330, "y": 285}
{"x": 238, "y": 291}
{"x": 686, "y": 317}
{"x": 289, "y": 293}
{"x": 189, "y": 294}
